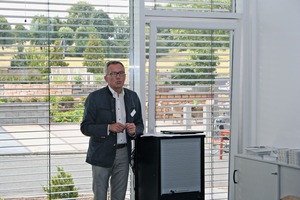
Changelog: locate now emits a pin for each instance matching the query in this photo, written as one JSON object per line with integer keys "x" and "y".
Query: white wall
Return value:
{"x": 277, "y": 73}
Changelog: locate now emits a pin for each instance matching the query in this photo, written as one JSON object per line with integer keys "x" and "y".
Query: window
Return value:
{"x": 52, "y": 55}
{"x": 188, "y": 69}
{"x": 190, "y": 6}
{"x": 192, "y": 70}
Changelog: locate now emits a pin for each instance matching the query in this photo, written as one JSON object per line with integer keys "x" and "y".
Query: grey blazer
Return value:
{"x": 98, "y": 113}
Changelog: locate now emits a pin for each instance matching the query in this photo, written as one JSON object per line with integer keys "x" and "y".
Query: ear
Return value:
{"x": 105, "y": 78}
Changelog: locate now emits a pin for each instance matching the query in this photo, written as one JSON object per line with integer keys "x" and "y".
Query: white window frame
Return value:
{"x": 228, "y": 21}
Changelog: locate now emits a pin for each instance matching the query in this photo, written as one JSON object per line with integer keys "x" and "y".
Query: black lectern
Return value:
{"x": 169, "y": 167}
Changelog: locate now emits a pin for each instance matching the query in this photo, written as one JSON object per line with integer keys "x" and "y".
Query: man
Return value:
{"x": 112, "y": 118}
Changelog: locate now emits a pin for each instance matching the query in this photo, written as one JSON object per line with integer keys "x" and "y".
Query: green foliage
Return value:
{"x": 82, "y": 34}
{"x": 82, "y": 10}
{"x": 98, "y": 79}
{"x": 67, "y": 98}
{"x": 79, "y": 12}
{"x": 35, "y": 59}
{"x": 26, "y": 79}
{"x": 31, "y": 99}
{"x": 61, "y": 186}
{"x": 21, "y": 35}
{"x": 39, "y": 59}
{"x": 198, "y": 71}
{"x": 103, "y": 24}
{"x": 93, "y": 55}
{"x": 71, "y": 52}
{"x": 67, "y": 116}
{"x": 44, "y": 27}
{"x": 3, "y": 100}
{"x": 57, "y": 55}
{"x": 83, "y": 99}
{"x": 78, "y": 80}
{"x": 225, "y": 5}
{"x": 202, "y": 47}
{"x": 121, "y": 38}
{"x": 202, "y": 5}
{"x": 51, "y": 99}
{"x": 66, "y": 34}
{"x": 14, "y": 99}
{"x": 62, "y": 109}
{"x": 66, "y": 109}
{"x": 66, "y": 102}
{"x": 6, "y": 33}
{"x": 196, "y": 74}
{"x": 44, "y": 30}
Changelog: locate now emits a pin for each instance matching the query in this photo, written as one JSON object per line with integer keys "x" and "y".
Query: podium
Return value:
{"x": 169, "y": 167}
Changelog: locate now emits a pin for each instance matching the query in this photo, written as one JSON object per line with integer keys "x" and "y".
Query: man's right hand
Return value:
{"x": 117, "y": 127}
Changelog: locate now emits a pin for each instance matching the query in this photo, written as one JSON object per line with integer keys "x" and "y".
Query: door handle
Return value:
{"x": 234, "y": 180}
{"x": 274, "y": 173}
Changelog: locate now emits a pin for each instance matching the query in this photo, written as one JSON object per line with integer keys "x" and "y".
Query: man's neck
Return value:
{"x": 118, "y": 91}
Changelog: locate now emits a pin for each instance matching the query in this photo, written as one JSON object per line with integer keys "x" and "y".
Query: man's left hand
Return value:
{"x": 131, "y": 128}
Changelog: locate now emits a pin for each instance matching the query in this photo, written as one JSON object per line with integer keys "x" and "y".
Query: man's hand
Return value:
{"x": 130, "y": 128}
{"x": 117, "y": 127}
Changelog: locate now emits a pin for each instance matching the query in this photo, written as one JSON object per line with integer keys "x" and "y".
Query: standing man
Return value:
{"x": 112, "y": 118}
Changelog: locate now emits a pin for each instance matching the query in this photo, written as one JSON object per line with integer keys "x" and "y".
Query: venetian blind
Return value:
{"x": 52, "y": 55}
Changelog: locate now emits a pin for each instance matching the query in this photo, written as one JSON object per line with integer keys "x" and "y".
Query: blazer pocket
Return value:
{"x": 100, "y": 139}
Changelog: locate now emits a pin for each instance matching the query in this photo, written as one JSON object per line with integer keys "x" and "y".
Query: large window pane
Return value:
{"x": 52, "y": 55}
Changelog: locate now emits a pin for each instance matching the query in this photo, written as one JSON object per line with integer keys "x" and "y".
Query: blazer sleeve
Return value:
{"x": 91, "y": 124}
{"x": 138, "y": 119}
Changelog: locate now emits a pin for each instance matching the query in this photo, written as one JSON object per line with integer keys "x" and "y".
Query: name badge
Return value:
{"x": 133, "y": 113}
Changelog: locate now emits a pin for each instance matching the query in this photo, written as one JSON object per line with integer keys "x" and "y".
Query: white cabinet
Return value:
{"x": 289, "y": 181}
{"x": 257, "y": 179}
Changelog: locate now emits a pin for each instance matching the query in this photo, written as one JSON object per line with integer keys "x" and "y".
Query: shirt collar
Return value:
{"x": 114, "y": 93}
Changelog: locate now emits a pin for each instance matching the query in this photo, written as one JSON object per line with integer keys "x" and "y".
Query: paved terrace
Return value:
{"x": 30, "y": 139}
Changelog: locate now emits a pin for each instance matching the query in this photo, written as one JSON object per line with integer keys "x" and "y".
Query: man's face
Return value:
{"x": 115, "y": 77}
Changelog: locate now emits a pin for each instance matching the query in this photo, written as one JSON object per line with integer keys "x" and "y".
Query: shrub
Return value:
{"x": 61, "y": 186}
{"x": 14, "y": 99}
{"x": 51, "y": 99}
{"x": 66, "y": 102}
{"x": 67, "y": 98}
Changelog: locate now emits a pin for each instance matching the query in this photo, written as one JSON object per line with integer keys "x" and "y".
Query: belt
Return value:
{"x": 120, "y": 146}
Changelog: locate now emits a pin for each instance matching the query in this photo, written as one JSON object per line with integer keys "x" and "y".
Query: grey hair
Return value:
{"x": 112, "y": 62}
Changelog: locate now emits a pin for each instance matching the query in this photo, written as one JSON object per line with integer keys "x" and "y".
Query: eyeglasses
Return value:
{"x": 114, "y": 74}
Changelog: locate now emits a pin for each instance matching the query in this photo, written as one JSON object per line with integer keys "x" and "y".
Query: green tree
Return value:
{"x": 21, "y": 35}
{"x": 19, "y": 61}
{"x": 32, "y": 58}
{"x": 57, "y": 55}
{"x": 119, "y": 43}
{"x": 83, "y": 14}
{"x": 204, "y": 5}
{"x": 82, "y": 17}
{"x": 82, "y": 37}
{"x": 203, "y": 58}
{"x": 198, "y": 72}
{"x": 5, "y": 33}
{"x": 67, "y": 35}
{"x": 103, "y": 24}
{"x": 80, "y": 14}
{"x": 93, "y": 55}
{"x": 44, "y": 30}
{"x": 39, "y": 60}
{"x": 61, "y": 186}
